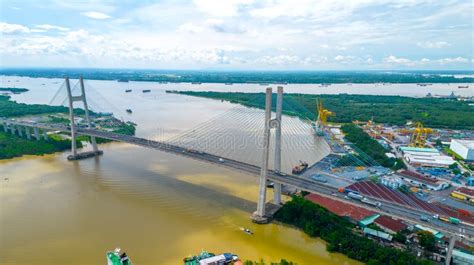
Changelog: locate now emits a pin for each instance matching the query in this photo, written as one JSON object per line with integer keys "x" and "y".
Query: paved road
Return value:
{"x": 389, "y": 208}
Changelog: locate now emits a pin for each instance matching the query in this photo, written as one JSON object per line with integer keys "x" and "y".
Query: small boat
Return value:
{"x": 463, "y": 86}
{"x": 246, "y": 230}
{"x": 117, "y": 257}
{"x": 228, "y": 84}
{"x": 196, "y": 83}
{"x": 128, "y": 110}
{"x": 122, "y": 80}
{"x": 146, "y": 90}
{"x": 128, "y": 91}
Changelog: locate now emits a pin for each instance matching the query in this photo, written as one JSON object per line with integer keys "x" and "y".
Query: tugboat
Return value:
{"x": 246, "y": 230}
{"x": 117, "y": 257}
{"x": 206, "y": 258}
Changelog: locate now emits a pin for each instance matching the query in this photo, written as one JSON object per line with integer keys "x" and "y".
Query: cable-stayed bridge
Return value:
{"x": 226, "y": 140}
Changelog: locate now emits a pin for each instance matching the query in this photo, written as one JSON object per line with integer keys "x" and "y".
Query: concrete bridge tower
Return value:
{"x": 260, "y": 215}
{"x": 72, "y": 99}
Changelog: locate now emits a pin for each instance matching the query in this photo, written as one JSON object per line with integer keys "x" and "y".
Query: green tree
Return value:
{"x": 427, "y": 240}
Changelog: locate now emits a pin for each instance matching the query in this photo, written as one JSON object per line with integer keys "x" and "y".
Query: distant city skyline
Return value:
{"x": 239, "y": 34}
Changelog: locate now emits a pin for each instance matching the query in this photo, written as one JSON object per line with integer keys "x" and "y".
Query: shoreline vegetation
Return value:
{"x": 13, "y": 90}
{"x": 395, "y": 110}
{"x": 339, "y": 234}
{"x": 15, "y": 146}
{"x": 12, "y": 146}
{"x": 252, "y": 77}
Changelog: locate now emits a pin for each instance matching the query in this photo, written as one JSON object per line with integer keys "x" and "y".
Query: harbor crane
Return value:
{"x": 419, "y": 135}
{"x": 321, "y": 118}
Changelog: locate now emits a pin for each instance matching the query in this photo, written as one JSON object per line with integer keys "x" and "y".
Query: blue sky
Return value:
{"x": 239, "y": 34}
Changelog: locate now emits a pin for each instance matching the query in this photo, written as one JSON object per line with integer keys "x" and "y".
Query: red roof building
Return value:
{"x": 340, "y": 208}
{"x": 389, "y": 224}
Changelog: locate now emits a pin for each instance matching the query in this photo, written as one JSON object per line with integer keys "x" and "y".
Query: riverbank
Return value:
{"x": 14, "y": 146}
{"x": 339, "y": 234}
{"x": 395, "y": 110}
{"x": 253, "y": 77}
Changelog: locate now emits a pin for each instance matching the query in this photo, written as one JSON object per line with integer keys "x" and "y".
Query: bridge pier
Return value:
{"x": 5, "y": 127}
{"x": 259, "y": 216}
{"x": 12, "y": 129}
{"x": 277, "y": 161}
{"x": 449, "y": 253}
{"x": 45, "y": 135}
{"x": 27, "y": 132}
{"x": 20, "y": 133}
{"x": 36, "y": 131}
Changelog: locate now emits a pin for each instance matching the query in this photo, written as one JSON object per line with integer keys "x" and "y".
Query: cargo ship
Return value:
{"x": 128, "y": 91}
{"x": 463, "y": 86}
{"x": 300, "y": 168}
{"x": 129, "y": 110}
{"x": 206, "y": 258}
{"x": 117, "y": 257}
{"x": 123, "y": 80}
{"x": 146, "y": 90}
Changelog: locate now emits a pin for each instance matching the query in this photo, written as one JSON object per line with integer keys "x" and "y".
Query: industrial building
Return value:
{"x": 422, "y": 181}
{"x": 464, "y": 148}
{"x": 426, "y": 157}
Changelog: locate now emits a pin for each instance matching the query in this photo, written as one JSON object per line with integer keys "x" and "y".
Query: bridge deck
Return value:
{"x": 404, "y": 212}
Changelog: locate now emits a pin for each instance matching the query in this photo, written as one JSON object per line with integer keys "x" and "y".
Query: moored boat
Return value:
{"x": 206, "y": 258}
{"x": 117, "y": 257}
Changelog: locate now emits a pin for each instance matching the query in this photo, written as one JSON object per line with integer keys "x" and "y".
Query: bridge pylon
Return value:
{"x": 260, "y": 216}
{"x": 95, "y": 151}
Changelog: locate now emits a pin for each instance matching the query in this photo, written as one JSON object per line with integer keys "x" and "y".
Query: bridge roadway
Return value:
{"x": 403, "y": 212}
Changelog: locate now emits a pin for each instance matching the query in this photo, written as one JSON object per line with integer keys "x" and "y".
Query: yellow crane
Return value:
{"x": 419, "y": 135}
{"x": 321, "y": 117}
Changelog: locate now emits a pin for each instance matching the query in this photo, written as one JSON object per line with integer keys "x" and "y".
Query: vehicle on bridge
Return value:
{"x": 300, "y": 168}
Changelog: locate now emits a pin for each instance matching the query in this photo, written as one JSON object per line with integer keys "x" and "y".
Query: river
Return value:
{"x": 157, "y": 207}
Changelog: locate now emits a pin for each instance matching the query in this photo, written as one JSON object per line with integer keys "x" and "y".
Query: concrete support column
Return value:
{"x": 45, "y": 135}
{"x": 71, "y": 118}
{"x": 27, "y": 132}
{"x": 36, "y": 131}
{"x": 449, "y": 253}
{"x": 277, "y": 162}
{"x": 20, "y": 133}
{"x": 264, "y": 168}
{"x": 5, "y": 127}
{"x": 12, "y": 129}
{"x": 86, "y": 108}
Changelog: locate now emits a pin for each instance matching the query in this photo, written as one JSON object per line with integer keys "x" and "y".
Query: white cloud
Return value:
{"x": 453, "y": 60}
{"x": 51, "y": 27}
{"x": 13, "y": 28}
{"x": 190, "y": 27}
{"x": 95, "y": 15}
{"x": 221, "y": 8}
{"x": 395, "y": 60}
{"x": 433, "y": 44}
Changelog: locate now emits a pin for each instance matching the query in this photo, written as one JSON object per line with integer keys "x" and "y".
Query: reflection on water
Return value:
{"x": 156, "y": 206}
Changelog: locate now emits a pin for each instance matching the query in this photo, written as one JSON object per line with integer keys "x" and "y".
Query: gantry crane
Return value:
{"x": 419, "y": 135}
{"x": 321, "y": 117}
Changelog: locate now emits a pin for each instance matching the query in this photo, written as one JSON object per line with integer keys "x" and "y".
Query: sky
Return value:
{"x": 239, "y": 34}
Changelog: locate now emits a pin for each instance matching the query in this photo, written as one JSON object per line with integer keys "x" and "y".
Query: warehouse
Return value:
{"x": 426, "y": 157}
{"x": 464, "y": 148}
